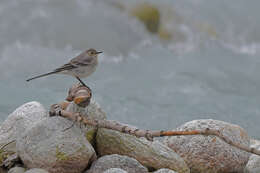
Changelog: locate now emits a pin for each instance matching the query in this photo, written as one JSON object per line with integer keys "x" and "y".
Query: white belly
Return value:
{"x": 81, "y": 72}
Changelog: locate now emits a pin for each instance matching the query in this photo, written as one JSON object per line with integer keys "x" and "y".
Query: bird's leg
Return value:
{"x": 81, "y": 81}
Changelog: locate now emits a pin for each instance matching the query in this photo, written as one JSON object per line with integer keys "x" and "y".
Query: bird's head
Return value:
{"x": 93, "y": 52}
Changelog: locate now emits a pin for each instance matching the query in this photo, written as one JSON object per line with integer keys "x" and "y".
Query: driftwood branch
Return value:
{"x": 148, "y": 134}
{"x": 81, "y": 96}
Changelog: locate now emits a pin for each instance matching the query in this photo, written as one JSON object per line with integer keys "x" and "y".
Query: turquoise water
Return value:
{"x": 209, "y": 70}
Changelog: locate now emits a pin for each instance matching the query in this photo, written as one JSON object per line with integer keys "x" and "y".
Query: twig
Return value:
{"x": 148, "y": 134}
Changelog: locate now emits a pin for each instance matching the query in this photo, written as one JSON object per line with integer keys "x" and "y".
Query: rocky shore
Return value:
{"x": 41, "y": 144}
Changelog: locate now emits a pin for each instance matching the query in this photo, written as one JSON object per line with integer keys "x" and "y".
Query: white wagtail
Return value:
{"x": 81, "y": 66}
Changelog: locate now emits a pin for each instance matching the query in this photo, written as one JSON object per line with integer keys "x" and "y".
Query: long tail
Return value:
{"x": 46, "y": 74}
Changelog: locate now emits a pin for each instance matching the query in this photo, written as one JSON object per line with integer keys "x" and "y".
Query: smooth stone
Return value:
{"x": 17, "y": 122}
{"x": 208, "y": 153}
{"x": 150, "y": 154}
{"x": 46, "y": 145}
{"x": 36, "y": 170}
{"x": 115, "y": 170}
{"x": 93, "y": 110}
{"x": 126, "y": 163}
{"x": 16, "y": 170}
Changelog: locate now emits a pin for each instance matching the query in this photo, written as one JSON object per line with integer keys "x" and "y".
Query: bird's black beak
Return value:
{"x": 98, "y": 52}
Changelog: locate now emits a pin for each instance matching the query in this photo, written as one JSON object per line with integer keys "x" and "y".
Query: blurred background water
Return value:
{"x": 164, "y": 63}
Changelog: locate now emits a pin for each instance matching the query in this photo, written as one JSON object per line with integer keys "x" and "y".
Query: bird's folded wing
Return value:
{"x": 68, "y": 66}
{"x": 82, "y": 60}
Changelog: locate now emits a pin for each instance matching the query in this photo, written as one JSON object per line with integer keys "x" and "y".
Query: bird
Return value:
{"x": 81, "y": 66}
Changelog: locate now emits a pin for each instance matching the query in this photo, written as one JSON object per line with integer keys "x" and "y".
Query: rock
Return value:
{"x": 92, "y": 111}
{"x": 209, "y": 153}
{"x": 17, "y": 122}
{"x": 115, "y": 170}
{"x": 36, "y": 170}
{"x": 253, "y": 164}
{"x": 149, "y": 15}
{"x": 128, "y": 164}
{"x": 17, "y": 170}
{"x": 46, "y": 145}
{"x": 164, "y": 170}
{"x": 150, "y": 154}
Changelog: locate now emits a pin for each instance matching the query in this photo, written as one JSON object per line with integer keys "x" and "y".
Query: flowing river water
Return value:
{"x": 208, "y": 69}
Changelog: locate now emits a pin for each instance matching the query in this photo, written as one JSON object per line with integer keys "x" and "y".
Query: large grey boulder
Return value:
{"x": 209, "y": 153}
{"x": 36, "y": 170}
{"x": 93, "y": 110}
{"x": 115, "y": 170}
{"x": 17, "y": 122}
{"x": 126, "y": 163}
{"x": 46, "y": 145}
{"x": 150, "y": 154}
